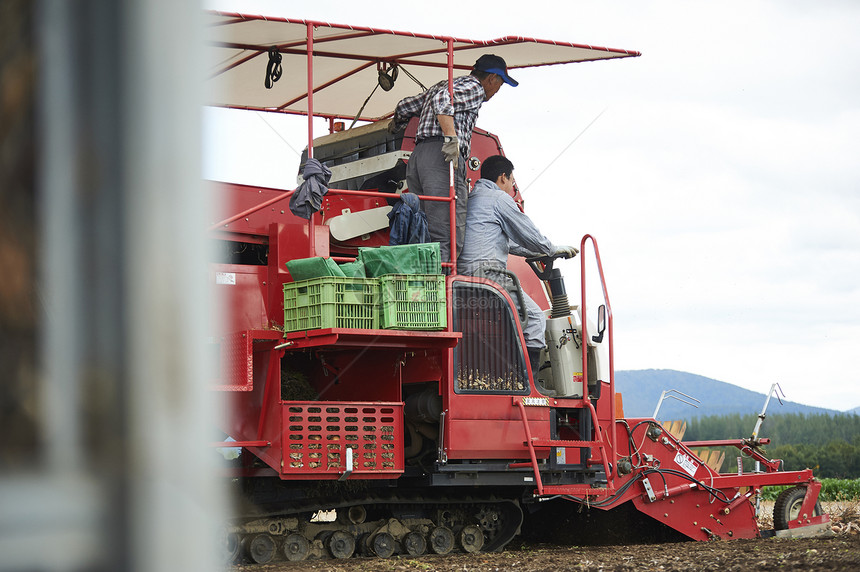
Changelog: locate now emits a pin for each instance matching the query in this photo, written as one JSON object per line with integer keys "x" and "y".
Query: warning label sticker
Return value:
{"x": 687, "y": 463}
{"x": 228, "y": 278}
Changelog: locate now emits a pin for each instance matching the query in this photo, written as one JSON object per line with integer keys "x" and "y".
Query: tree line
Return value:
{"x": 829, "y": 444}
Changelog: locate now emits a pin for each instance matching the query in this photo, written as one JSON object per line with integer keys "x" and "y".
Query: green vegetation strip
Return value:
{"x": 831, "y": 490}
{"x": 828, "y": 444}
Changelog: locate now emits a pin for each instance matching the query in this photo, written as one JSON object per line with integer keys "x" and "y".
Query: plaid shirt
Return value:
{"x": 468, "y": 97}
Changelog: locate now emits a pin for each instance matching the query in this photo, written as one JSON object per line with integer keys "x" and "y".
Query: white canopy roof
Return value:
{"x": 347, "y": 60}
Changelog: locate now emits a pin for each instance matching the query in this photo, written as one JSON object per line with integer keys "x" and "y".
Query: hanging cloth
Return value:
{"x": 308, "y": 197}
{"x": 408, "y": 222}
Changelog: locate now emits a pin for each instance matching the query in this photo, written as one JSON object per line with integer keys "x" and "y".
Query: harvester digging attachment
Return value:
{"x": 667, "y": 481}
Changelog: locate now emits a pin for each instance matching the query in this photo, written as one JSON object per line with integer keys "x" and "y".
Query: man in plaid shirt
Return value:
{"x": 444, "y": 136}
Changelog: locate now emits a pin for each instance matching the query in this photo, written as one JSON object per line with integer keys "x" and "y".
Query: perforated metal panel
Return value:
{"x": 318, "y": 433}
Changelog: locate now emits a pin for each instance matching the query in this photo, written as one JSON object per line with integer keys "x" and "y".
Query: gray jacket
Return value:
{"x": 495, "y": 227}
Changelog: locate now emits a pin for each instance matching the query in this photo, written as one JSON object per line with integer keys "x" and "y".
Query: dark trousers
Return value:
{"x": 427, "y": 173}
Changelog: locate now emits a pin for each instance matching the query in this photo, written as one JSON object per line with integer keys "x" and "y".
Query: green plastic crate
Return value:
{"x": 413, "y": 302}
{"x": 331, "y": 302}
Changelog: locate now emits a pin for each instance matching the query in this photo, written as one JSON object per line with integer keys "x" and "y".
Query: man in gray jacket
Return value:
{"x": 495, "y": 227}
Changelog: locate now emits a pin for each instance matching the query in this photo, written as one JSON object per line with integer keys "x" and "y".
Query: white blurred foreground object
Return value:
{"x": 126, "y": 479}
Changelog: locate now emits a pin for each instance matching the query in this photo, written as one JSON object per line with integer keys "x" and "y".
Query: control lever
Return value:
{"x": 543, "y": 272}
{"x": 542, "y": 266}
{"x": 546, "y": 261}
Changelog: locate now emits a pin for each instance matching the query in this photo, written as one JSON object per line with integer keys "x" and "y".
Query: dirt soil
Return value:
{"x": 838, "y": 552}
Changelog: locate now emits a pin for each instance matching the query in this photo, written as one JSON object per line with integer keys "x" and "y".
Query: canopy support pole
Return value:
{"x": 310, "y": 52}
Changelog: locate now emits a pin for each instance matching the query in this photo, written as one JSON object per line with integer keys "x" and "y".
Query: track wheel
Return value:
{"x": 471, "y": 538}
{"x": 414, "y": 544}
{"x": 229, "y": 546}
{"x": 382, "y": 545}
{"x": 341, "y": 544}
{"x": 787, "y": 507}
{"x": 352, "y": 515}
{"x": 441, "y": 540}
{"x": 296, "y": 547}
{"x": 262, "y": 548}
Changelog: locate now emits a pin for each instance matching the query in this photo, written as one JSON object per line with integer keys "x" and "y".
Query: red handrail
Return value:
{"x": 611, "y": 436}
{"x": 452, "y": 192}
{"x": 251, "y": 210}
{"x": 530, "y": 443}
{"x": 377, "y": 194}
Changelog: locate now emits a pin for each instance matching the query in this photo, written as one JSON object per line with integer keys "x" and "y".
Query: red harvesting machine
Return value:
{"x": 393, "y": 409}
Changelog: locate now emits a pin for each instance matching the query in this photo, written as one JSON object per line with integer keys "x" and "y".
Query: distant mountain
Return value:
{"x": 855, "y": 411}
{"x": 641, "y": 391}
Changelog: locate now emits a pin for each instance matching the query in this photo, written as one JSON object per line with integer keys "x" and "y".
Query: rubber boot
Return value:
{"x": 534, "y": 360}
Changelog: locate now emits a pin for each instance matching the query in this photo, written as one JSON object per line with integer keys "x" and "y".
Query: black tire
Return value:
{"x": 414, "y": 544}
{"x": 471, "y": 539}
{"x": 262, "y": 548}
{"x": 296, "y": 547}
{"x": 383, "y": 545}
{"x": 441, "y": 540}
{"x": 341, "y": 544}
{"x": 787, "y": 507}
{"x": 230, "y": 546}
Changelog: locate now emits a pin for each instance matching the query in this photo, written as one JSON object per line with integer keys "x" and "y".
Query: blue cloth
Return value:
{"x": 307, "y": 199}
{"x": 408, "y": 222}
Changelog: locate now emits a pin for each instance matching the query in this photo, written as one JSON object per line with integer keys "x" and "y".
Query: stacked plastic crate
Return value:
{"x": 402, "y": 288}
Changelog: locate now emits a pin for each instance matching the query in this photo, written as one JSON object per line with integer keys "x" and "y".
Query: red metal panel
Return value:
{"x": 694, "y": 515}
{"x": 237, "y": 365}
{"x": 805, "y": 514}
{"x": 230, "y": 444}
{"x": 250, "y": 407}
{"x": 372, "y": 338}
{"x": 316, "y": 435}
{"x": 529, "y": 281}
{"x": 359, "y": 375}
{"x": 261, "y": 420}
{"x": 492, "y": 438}
{"x": 237, "y": 358}
{"x": 679, "y": 502}
{"x": 233, "y": 198}
{"x": 239, "y": 297}
{"x": 494, "y": 407}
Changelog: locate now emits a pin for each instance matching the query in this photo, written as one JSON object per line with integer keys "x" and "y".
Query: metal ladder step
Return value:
{"x": 562, "y": 443}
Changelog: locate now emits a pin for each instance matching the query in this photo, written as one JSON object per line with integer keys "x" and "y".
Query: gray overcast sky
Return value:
{"x": 721, "y": 179}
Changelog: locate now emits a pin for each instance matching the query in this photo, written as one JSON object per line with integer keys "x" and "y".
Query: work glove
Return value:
{"x": 565, "y": 251}
{"x": 394, "y": 128}
{"x": 451, "y": 150}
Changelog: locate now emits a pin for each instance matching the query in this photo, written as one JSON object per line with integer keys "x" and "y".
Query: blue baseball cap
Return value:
{"x": 494, "y": 64}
